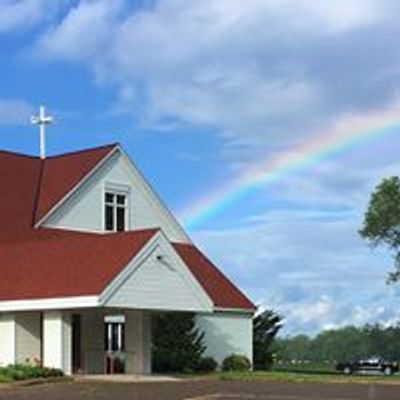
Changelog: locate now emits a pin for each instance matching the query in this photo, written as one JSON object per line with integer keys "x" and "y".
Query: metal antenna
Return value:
{"x": 42, "y": 120}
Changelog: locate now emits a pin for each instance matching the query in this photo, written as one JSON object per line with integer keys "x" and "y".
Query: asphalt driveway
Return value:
{"x": 201, "y": 390}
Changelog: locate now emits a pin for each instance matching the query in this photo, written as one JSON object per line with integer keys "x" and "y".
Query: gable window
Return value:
{"x": 115, "y": 211}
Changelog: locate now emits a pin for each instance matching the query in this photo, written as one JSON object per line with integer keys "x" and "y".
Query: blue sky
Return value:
{"x": 197, "y": 92}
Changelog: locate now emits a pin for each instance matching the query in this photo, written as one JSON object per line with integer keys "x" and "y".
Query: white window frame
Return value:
{"x": 116, "y": 189}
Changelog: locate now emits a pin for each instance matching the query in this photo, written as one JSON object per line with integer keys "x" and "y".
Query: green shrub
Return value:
{"x": 19, "y": 372}
{"x": 236, "y": 362}
{"x": 207, "y": 364}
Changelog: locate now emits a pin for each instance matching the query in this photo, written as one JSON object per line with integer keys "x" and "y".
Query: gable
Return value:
{"x": 83, "y": 209}
{"x": 158, "y": 280}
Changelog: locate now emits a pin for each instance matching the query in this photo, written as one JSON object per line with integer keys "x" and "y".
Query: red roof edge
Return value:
{"x": 219, "y": 288}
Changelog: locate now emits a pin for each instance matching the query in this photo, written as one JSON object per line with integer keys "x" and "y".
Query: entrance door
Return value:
{"x": 114, "y": 343}
{"x": 76, "y": 344}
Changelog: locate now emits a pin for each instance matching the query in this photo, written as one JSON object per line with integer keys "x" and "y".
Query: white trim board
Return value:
{"x": 57, "y": 303}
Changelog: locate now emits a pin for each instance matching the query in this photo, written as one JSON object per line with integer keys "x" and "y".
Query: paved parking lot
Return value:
{"x": 201, "y": 390}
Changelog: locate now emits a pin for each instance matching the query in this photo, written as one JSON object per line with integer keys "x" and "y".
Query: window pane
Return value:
{"x": 120, "y": 199}
{"x": 114, "y": 337}
{"x": 106, "y": 342}
{"x": 109, "y": 218}
{"x": 120, "y": 219}
{"x": 109, "y": 198}
{"x": 123, "y": 337}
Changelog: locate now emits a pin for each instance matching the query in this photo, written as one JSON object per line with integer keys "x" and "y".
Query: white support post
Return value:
{"x": 57, "y": 351}
{"x": 7, "y": 339}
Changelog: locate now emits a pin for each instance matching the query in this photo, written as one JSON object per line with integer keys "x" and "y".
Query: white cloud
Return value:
{"x": 23, "y": 14}
{"x": 249, "y": 69}
{"x": 83, "y": 33}
{"x": 15, "y": 112}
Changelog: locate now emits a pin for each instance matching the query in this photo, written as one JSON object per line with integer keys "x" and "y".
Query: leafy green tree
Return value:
{"x": 381, "y": 224}
{"x": 293, "y": 348}
{"x": 178, "y": 344}
{"x": 347, "y": 343}
{"x": 265, "y": 327}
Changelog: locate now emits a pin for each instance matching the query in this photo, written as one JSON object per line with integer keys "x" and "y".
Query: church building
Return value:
{"x": 88, "y": 253}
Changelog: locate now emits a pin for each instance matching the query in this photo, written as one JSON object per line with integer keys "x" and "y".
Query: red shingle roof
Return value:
{"x": 58, "y": 263}
{"x": 19, "y": 177}
{"x": 48, "y": 263}
{"x": 218, "y": 287}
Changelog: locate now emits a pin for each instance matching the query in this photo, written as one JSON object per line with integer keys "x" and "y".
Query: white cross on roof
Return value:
{"x": 42, "y": 120}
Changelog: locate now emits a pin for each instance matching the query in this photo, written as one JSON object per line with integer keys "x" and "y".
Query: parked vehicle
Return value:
{"x": 371, "y": 365}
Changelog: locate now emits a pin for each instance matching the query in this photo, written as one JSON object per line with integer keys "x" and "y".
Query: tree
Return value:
{"x": 293, "y": 348}
{"x": 265, "y": 327}
{"x": 381, "y": 224}
{"x": 343, "y": 344}
{"x": 178, "y": 344}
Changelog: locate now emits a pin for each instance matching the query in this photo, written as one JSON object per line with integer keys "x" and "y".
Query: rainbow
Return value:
{"x": 352, "y": 131}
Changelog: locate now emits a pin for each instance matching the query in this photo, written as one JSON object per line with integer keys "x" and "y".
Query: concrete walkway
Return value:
{"x": 126, "y": 378}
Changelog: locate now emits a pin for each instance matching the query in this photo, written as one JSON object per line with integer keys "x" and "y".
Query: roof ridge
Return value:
{"x": 76, "y": 152}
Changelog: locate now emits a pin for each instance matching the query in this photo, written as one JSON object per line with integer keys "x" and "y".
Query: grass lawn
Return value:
{"x": 301, "y": 377}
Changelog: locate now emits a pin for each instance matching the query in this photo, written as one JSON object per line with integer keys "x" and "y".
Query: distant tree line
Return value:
{"x": 341, "y": 344}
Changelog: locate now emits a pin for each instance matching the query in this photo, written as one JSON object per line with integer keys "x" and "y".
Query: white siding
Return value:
{"x": 7, "y": 339}
{"x": 84, "y": 209}
{"x": 56, "y": 333}
{"x": 27, "y": 340}
{"x": 227, "y": 333}
{"x": 158, "y": 284}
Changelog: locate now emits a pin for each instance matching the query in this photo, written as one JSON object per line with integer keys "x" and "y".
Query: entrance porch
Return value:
{"x": 81, "y": 341}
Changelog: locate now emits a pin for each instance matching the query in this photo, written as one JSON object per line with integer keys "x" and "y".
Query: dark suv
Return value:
{"x": 368, "y": 366}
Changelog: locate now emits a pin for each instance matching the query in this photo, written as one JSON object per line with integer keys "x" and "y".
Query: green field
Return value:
{"x": 315, "y": 368}
{"x": 311, "y": 372}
